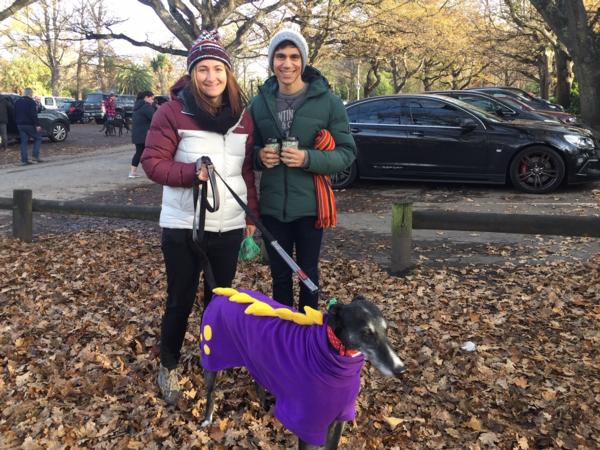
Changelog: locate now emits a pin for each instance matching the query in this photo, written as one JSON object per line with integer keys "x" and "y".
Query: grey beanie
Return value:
{"x": 289, "y": 35}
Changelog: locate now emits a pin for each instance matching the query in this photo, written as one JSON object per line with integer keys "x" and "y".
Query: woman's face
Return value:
{"x": 149, "y": 99}
{"x": 211, "y": 78}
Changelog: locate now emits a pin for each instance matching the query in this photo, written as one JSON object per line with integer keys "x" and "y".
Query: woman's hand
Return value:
{"x": 250, "y": 230}
{"x": 269, "y": 157}
{"x": 202, "y": 174}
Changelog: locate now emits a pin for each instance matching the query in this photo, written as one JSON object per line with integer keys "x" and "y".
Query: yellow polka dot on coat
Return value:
{"x": 206, "y": 349}
{"x": 207, "y": 333}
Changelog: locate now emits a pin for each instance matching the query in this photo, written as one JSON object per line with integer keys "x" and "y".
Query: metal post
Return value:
{"x": 401, "y": 238}
{"x": 22, "y": 215}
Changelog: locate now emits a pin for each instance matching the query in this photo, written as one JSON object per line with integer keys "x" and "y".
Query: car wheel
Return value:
{"x": 345, "y": 178}
{"x": 59, "y": 132}
{"x": 537, "y": 170}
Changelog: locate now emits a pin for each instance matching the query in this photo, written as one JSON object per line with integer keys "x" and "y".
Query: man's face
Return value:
{"x": 287, "y": 65}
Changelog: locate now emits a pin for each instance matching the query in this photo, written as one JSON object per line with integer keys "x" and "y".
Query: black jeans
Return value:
{"x": 306, "y": 239}
{"x": 183, "y": 269}
{"x": 139, "y": 148}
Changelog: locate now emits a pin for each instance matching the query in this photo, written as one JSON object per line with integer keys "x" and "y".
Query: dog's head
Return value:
{"x": 361, "y": 326}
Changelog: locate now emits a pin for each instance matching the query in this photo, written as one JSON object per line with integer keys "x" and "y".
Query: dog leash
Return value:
{"x": 201, "y": 205}
{"x": 312, "y": 287}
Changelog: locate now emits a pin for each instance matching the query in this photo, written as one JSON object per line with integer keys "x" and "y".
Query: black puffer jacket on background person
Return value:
{"x": 141, "y": 119}
{"x": 6, "y": 108}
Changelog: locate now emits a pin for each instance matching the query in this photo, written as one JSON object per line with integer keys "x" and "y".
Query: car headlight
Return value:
{"x": 579, "y": 141}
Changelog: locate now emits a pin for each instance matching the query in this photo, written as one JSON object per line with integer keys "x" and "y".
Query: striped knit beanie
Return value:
{"x": 207, "y": 46}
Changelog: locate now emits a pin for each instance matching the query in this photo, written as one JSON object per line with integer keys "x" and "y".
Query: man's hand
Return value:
{"x": 269, "y": 157}
{"x": 293, "y": 157}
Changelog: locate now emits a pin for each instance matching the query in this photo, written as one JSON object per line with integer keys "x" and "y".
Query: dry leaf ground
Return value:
{"x": 79, "y": 323}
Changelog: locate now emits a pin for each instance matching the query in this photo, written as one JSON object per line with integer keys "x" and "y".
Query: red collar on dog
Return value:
{"x": 337, "y": 344}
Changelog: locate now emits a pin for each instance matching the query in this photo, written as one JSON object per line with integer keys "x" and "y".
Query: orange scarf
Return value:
{"x": 326, "y": 211}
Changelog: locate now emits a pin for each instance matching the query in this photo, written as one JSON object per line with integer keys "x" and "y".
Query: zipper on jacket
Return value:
{"x": 285, "y": 191}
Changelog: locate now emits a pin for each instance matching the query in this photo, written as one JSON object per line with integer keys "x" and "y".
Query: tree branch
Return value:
{"x": 158, "y": 48}
{"x": 16, "y": 6}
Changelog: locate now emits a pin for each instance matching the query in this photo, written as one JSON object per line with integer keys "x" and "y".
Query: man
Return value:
{"x": 28, "y": 124}
{"x": 6, "y": 109}
{"x": 296, "y": 102}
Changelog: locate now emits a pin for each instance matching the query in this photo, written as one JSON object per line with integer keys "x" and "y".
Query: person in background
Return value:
{"x": 6, "y": 110}
{"x": 143, "y": 110}
{"x": 28, "y": 124}
{"x": 110, "y": 107}
{"x": 206, "y": 117}
{"x": 296, "y": 102}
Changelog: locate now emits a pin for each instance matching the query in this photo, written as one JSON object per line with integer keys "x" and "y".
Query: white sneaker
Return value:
{"x": 133, "y": 175}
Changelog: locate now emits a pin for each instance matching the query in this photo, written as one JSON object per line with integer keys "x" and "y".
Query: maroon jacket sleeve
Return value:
{"x": 248, "y": 170}
{"x": 161, "y": 144}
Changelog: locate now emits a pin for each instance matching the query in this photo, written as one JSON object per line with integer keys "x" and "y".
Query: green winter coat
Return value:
{"x": 288, "y": 193}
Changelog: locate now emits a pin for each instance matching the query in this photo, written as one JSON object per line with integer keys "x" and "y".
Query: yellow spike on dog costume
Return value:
{"x": 314, "y": 315}
{"x": 242, "y": 297}
{"x": 259, "y": 308}
{"x": 227, "y": 292}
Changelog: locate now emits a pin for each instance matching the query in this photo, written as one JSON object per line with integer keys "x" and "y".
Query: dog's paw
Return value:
{"x": 206, "y": 423}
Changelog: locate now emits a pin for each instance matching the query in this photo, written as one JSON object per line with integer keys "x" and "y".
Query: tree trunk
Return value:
{"x": 588, "y": 77}
{"x": 545, "y": 72}
{"x": 564, "y": 77}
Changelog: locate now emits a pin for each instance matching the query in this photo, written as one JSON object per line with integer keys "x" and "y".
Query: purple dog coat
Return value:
{"x": 312, "y": 385}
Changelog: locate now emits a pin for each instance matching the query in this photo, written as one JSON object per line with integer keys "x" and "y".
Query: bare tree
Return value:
{"x": 14, "y": 7}
{"x": 186, "y": 19}
{"x": 43, "y": 35}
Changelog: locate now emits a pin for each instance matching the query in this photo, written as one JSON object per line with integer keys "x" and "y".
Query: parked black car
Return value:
{"x": 520, "y": 94}
{"x": 55, "y": 124}
{"x": 498, "y": 106}
{"x": 92, "y": 107}
{"x": 74, "y": 111}
{"x": 435, "y": 138}
{"x": 126, "y": 102}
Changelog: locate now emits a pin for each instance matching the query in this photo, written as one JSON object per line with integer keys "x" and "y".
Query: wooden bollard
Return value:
{"x": 401, "y": 238}
{"x": 22, "y": 215}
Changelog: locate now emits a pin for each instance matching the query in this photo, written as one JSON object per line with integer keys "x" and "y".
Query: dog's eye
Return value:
{"x": 368, "y": 334}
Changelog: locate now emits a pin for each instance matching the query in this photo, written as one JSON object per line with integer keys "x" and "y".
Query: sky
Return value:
{"x": 141, "y": 23}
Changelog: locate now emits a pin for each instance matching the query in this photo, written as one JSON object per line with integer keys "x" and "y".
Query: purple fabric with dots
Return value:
{"x": 312, "y": 385}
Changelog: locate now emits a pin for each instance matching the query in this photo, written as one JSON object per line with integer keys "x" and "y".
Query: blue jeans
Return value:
{"x": 26, "y": 132}
{"x": 302, "y": 235}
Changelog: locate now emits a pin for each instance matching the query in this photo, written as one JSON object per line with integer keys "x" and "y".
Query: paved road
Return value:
{"x": 78, "y": 176}
{"x": 72, "y": 177}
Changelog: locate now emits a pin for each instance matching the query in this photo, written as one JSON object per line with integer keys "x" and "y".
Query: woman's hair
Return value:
{"x": 232, "y": 94}
{"x": 143, "y": 94}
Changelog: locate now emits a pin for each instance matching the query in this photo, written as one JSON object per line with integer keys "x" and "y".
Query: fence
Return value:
{"x": 404, "y": 220}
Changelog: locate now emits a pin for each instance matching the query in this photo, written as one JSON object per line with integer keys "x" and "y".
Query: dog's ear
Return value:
{"x": 333, "y": 313}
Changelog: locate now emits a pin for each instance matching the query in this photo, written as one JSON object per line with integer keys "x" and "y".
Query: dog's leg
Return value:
{"x": 334, "y": 433}
{"x": 262, "y": 396}
{"x": 304, "y": 446}
{"x": 210, "y": 379}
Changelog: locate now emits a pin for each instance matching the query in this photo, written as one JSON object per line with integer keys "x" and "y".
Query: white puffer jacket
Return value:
{"x": 227, "y": 154}
{"x": 174, "y": 143}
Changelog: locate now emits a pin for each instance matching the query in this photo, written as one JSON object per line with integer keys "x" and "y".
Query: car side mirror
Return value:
{"x": 468, "y": 125}
{"x": 505, "y": 112}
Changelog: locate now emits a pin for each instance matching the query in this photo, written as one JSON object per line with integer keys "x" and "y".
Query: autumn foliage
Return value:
{"x": 79, "y": 324}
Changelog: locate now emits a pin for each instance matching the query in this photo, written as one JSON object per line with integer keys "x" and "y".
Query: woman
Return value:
{"x": 206, "y": 117}
{"x": 143, "y": 110}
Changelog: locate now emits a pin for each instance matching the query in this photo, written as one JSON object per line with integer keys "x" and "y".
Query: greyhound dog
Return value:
{"x": 310, "y": 362}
